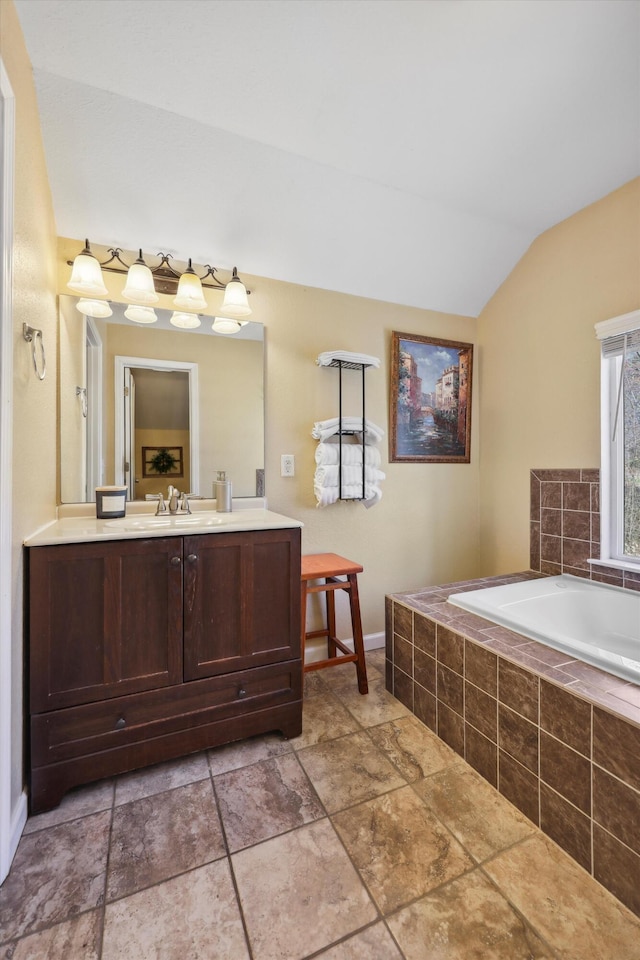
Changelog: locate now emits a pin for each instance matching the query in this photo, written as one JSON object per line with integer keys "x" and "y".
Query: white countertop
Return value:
{"x": 136, "y": 525}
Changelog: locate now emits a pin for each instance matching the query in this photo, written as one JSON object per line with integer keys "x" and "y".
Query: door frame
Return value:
{"x": 194, "y": 415}
{"x": 11, "y": 821}
{"x": 94, "y": 452}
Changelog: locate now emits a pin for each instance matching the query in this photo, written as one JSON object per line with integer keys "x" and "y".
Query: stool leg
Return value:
{"x": 303, "y": 620}
{"x": 358, "y": 641}
{"x": 331, "y": 623}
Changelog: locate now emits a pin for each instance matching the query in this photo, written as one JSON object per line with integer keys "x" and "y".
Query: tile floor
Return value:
{"x": 366, "y": 838}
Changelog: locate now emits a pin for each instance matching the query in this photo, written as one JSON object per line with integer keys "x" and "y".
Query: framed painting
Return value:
{"x": 162, "y": 462}
{"x": 430, "y": 400}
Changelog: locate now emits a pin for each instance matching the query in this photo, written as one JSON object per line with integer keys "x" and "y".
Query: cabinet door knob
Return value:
{"x": 121, "y": 723}
{"x": 175, "y": 560}
{"x": 192, "y": 557}
{"x": 242, "y": 692}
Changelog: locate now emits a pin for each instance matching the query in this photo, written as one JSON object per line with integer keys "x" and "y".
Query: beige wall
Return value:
{"x": 34, "y": 287}
{"x": 424, "y": 530}
{"x": 539, "y": 362}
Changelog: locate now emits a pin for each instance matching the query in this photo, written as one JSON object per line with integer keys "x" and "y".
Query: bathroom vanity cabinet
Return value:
{"x": 142, "y": 650}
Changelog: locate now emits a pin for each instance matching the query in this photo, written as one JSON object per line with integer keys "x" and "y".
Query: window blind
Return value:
{"x": 619, "y": 334}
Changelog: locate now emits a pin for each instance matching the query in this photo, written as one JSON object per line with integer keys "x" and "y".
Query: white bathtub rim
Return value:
{"x": 479, "y": 602}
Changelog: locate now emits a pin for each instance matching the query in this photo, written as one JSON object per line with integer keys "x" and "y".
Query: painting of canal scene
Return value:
{"x": 430, "y": 400}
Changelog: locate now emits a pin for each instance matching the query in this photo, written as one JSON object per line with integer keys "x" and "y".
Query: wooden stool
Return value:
{"x": 328, "y": 567}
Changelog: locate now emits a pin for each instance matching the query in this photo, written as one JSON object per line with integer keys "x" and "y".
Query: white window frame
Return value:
{"x": 612, "y": 450}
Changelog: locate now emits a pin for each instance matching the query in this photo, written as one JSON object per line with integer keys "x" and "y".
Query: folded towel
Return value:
{"x": 323, "y": 429}
{"x": 329, "y": 453}
{"x": 325, "y": 359}
{"x": 328, "y": 476}
{"x": 328, "y": 495}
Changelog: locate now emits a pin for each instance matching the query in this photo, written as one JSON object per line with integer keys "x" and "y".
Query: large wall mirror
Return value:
{"x": 148, "y": 406}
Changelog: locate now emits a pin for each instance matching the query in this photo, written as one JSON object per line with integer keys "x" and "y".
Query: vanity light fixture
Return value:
{"x": 140, "y": 314}
{"x": 235, "y": 302}
{"x": 186, "y": 321}
{"x": 190, "y": 295}
{"x": 99, "y": 309}
{"x": 139, "y": 287}
{"x": 86, "y": 276}
{"x": 144, "y": 283}
{"x": 226, "y": 325}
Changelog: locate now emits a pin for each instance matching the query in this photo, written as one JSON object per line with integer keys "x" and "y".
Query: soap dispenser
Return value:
{"x": 222, "y": 489}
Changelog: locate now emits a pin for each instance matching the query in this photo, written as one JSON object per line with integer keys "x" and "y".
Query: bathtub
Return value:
{"x": 586, "y": 620}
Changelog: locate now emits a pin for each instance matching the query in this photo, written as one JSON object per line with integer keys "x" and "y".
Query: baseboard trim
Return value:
{"x": 317, "y": 649}
{"x": 18, "y": 820}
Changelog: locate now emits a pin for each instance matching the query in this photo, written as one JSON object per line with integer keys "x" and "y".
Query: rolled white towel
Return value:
{"x": 328, "y": 453}
{"x": 328, "y": 495}
{"x": 329, "y": 476}
{"x": 326, "y": 358}
{"x": 323, "y": 429}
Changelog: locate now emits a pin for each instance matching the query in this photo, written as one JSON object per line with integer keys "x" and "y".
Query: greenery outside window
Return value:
{"x": 620, "y": 441}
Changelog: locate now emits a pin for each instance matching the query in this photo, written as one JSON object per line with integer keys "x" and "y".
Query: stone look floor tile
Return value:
{"x": 400, "y": 849}
{"x": 467, "y": 919}
{"x": 581, "y": 919}
{"x": 313, "y": 684}
{"x": 56, "y": 873}
{"x": 413, "y": 748}
{"x": 192, "y": 916}
{"x": 374, "y": 943}
{"x": 232, "y": 756}
{"x": 161, "y": 836}
{"x": 77, "y": 803}
{"x": 348, "y": 770}
{"x": 161, "y": 777}
{"x": 265, "y": 799}
{"x": 77, "y": 939}
{"x": 299, "y": 893}
{"x": 323, "y": 718}
{"x": 377, "y": 706}
{"x": 477, "y": 815}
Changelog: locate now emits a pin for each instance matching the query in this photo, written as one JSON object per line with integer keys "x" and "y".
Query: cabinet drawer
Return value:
{"x": 93, "y": 727}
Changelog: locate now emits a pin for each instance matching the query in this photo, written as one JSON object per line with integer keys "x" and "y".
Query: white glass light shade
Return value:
{"x": 139, "y": 287}
{"x": 235, "y": 303}
{"x": 94, "y": 308}
{"x": 186, "y": 321}
{"x": 190, "y": 295}
{"x": 226, "y": 325}
{"x": 86, "y": 275}
{"x": 141, "y": 314}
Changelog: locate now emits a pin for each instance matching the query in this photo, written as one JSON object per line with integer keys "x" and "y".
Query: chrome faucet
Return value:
{"x": 174, "y": 496}
{"x": 162, "y": 507}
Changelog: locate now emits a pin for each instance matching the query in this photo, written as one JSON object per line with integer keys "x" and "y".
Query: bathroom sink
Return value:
{"x": 133, "y": 524}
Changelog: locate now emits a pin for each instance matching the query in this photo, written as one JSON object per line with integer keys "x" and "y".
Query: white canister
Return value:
{"x": 110, "y": 502}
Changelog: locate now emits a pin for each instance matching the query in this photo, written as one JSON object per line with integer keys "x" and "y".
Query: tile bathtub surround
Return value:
{"x": 565, "y": 526}
{"x": 369, "y": 839}
{"x": 558, "y": 738}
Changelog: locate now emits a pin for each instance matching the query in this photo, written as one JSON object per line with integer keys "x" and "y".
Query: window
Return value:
{"x": 620, "y": 472}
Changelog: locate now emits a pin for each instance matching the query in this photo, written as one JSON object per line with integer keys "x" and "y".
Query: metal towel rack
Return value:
{"x": 32, "y": 336}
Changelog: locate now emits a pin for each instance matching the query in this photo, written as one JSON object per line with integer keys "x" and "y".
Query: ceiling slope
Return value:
{"x": 408, "y": 150}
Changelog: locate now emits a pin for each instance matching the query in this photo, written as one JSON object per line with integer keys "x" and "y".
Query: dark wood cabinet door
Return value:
{"x": 105, "y": 620}
{"x": 241, "y": 601}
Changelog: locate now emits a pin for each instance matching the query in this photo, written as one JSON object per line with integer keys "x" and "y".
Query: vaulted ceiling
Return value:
{"x": 405, "y": 150}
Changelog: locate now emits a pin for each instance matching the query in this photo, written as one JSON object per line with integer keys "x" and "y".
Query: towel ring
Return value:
{"x": 32, "y": 335}
{"x": 82, "y": 393}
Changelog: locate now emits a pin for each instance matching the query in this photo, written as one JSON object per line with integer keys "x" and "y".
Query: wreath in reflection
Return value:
{"x": 163, "y": 461}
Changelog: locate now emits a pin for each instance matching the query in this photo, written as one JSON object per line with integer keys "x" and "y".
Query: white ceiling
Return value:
{"x": 405, "y": 150}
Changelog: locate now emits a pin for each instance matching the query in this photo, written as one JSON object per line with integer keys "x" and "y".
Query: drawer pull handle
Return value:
{"x": 175, "y": 560}
{"x": 242, "y": 692}
{"x": 192, "y": 557}
{"x": 121, "y": 723}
